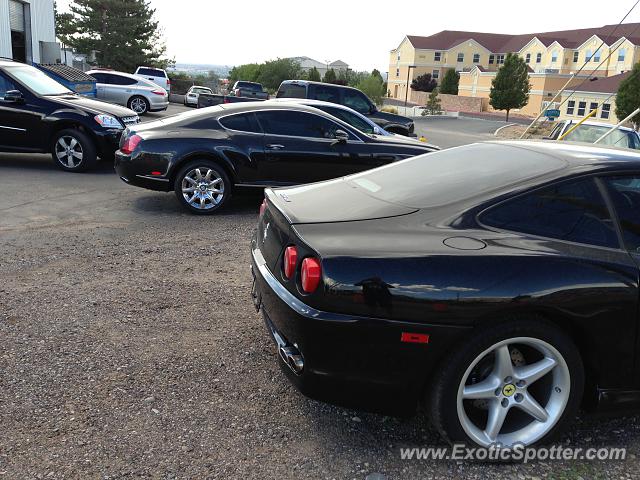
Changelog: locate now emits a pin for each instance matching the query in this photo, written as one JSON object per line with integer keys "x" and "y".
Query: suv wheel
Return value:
{"x": 203, "y": 187}
{"x": 138, "y": 104}
{"x": 514, "y": 383}
{"x": 73, "y": 151}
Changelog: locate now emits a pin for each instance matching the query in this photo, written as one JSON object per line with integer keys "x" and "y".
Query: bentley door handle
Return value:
{"x": 275, "y": 146}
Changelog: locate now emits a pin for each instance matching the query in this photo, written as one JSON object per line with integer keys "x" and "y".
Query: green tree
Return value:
{"x": 510, "y": 87}
{"x": 373, "y": 88}
{"x": 450, "y": 81}
{"x": 314, "y": 75}
{"x": 274, "y": 72}
{"x": 424, "y": 83}
{"x": 376, "y": 73}
{"x": 65, "y": 27}
{"x": 249, "y": 72}
{"x": 434, "y": 106}
{"x": 330, "y": 76}
{"x": 124, "y": 33}
{"x": 628, "y": 96}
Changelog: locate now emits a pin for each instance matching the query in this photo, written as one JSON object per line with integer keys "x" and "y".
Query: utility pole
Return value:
{"x": 406, "y": 92}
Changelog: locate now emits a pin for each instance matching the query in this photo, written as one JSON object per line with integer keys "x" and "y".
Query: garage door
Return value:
{"x": 16, "y": 16}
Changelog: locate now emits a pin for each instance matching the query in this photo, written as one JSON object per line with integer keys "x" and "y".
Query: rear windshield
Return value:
{"x": 454, "y": 175}
{"x": 200, "y": 90}
{"x": 151, "y": 72}
{"x": 591, "y": 133}
{"x": 249, "y": 86}
{"x": 291, "y": 90}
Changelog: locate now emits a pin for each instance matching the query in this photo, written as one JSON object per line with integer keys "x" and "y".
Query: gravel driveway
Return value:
{"x": 130, "y": 349}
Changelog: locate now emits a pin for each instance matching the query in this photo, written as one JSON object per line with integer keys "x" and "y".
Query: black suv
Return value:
{"x": 350, "y": 97}
{"x": 38, "y": 114}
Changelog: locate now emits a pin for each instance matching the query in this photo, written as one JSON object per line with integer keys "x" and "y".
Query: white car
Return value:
{"x": 589, "y": 132}
{"x": 191, "y": 98}
{"x": 156, "y": 75}
{"x": 131, "y": 91}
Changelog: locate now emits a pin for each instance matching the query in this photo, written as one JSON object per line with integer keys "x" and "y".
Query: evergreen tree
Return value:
{"x": 510, "y": 87}
{"x": 123, "y": 33}
{"x": 449, "y": 84}
{"x": 424, "y": 83}
{"x": 373, "y": 87}
{"x": 434, "y": 106}
{"x": 628, "y": 96}
{"x": 314, "y": 75}
{"x": 330, "y": 76}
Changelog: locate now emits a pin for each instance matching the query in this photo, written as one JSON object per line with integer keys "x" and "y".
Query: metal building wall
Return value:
{"x": 42, "y": 26}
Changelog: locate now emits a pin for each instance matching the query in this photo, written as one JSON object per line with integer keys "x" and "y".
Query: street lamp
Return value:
{"x": 406, "y": 92}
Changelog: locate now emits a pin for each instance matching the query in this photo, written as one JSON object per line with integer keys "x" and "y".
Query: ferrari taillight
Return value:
{"x": 311, "y": 272}
{"x": 130, "y": 144}
{"x": 290, "y": 261}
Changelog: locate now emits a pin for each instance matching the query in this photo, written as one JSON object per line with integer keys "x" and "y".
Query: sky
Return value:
{"x": 361, "y": 33}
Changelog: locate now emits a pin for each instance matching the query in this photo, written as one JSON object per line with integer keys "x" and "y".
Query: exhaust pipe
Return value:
{"x": 293, "y": 358}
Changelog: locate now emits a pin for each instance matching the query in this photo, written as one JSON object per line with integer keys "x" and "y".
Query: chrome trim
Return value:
{"x": 14, "y": 128}
{"x": 151, "y": 177}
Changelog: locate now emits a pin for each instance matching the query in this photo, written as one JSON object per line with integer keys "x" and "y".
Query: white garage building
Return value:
{"x": 27, "y": 31}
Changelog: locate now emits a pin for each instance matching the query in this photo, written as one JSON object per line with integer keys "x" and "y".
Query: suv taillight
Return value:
{"x": 130, "y": 144}
{"x": 310, "y": 274}
{"x": 290, "y": 261}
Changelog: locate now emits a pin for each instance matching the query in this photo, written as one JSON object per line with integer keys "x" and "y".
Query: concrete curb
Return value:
{"x": 504, "y": 126}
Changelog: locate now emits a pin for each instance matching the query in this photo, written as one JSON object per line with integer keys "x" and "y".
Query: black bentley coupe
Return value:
{"x": 496, "y": 282}
{"x": 202, "y": 155}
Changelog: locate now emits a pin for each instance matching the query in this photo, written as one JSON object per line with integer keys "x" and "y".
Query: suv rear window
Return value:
{"x": 152, "y": 72}
{"x": 249, "y": 86}
{"x": 292, "y": 90}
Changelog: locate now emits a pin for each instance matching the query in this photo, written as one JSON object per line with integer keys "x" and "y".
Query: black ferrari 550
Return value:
{"x": 497, "y": 282}
{"x": 203, "y": 155}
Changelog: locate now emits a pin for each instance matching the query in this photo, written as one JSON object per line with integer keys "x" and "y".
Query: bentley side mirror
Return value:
{"x": 341, "y": 136}
{"x": 13, "y": 96}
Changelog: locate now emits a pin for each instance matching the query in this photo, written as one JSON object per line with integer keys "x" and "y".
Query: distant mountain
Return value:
{"x": 195, "y": 68}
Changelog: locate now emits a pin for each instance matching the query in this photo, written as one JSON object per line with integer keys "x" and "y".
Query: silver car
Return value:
{"x": 137, "y": 93}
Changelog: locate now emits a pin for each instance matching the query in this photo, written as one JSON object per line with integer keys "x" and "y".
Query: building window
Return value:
{"x": 528, "y": 58}
{"x": 492, "y": 59}
{"x": 476, "y": 58}
{"x": 570, "y": 107}
{"x": 397, "y": 72}
{"x": 500, "y": 59}
{"x": 606, "y": 110}
{"x": 398, "y": 56}
{"x": 435, "y": 74}
{"x": 538, "y": 58}
{"x": 622, "y": 53}
{"x": 596, "y": 56}
{"x": 437, "y": 56}
{"x": 588, "y": 55}
{"x": 593, "y": 106}
{"x": 554, "y": 56}
{"x": 581, "y": 108}
{"x": 576, "y": 56}
{"x": 460, "y": 57}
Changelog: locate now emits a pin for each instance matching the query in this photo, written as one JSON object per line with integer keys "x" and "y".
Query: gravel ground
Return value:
{"x": 130, "y": 349}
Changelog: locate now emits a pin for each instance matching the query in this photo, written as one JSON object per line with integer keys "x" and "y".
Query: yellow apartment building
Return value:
{"x": 552, "y": 58}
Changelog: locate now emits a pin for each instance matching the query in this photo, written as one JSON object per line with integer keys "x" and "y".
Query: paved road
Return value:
{"x": 449, "y": 132}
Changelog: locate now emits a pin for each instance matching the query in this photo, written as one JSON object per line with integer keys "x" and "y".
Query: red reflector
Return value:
{"x": 130, "y": 144}
{"x": 159, "y": 92}
{"x": 290, "y": 261}
{"x": 156, "y": 173}
{"x": 407, "y": 337}
{"x": 263, "y": 207}
{"x": 310, "y": 274}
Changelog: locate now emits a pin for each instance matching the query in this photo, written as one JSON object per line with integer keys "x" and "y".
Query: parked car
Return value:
{"x": 589, "y": 132}
{"x": 39, "y": 115}
{"x": 210, "y": 100}
{"x": 249, "y": 89}
{"x": 496, "y": 282}
{"x": 155, "y": 75}
{"x": 134, "y": 92}
{"x": 191, "y": 98}
{"x": 258, "y": 144}
{"x": 350, "y": 97}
